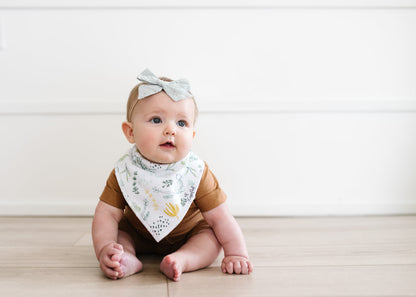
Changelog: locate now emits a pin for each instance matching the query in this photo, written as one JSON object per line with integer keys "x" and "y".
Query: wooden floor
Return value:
{"x": 353, "y": 256}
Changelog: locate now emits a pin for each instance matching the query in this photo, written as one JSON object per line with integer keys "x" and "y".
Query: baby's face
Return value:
{"x": 163, "y": 129}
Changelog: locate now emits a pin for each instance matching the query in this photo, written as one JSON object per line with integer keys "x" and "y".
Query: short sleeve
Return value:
{"x": 209, "y": 194}
{"x": 112, "y": 193}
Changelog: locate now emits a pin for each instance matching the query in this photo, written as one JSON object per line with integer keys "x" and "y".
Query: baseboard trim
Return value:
{"x": 45, "y": 208}
{"x": 323, "y": 209}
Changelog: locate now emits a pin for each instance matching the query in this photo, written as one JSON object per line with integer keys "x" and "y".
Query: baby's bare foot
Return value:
{"x": 171, "y": 267}
{"x": 129, "y": 264}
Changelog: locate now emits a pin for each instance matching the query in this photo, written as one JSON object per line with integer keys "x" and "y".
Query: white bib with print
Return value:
{"x": 159, "y": 194}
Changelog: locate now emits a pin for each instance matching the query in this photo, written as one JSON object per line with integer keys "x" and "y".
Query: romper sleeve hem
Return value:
{"x": 209, "y": 194}
{"x": 112, "y": 193}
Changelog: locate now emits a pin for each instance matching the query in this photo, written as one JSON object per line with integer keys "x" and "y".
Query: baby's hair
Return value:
{"x": 134, "y": 94}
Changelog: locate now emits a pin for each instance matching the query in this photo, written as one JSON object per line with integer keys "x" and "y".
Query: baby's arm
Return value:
{"x": 104, "y": 236}
{"x": 229, "y": 234}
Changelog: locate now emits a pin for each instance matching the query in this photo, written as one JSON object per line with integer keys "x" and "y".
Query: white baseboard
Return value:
{"x": 325, "y": 209}
{"x": 47, "y": 208}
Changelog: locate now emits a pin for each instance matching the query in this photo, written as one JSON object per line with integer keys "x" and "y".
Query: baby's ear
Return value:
{"x": 193, "y": 135}
{"x": 128, "y": 131}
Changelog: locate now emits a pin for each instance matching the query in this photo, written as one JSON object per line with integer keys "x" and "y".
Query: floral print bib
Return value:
{"x": 159, "y": 194}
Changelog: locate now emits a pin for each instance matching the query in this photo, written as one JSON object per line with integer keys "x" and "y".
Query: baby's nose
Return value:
{"x": 170, "y": 130}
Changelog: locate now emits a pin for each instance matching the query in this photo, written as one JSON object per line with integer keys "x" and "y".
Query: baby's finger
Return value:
{"x": 120, "y": 272}
{"x": 110, "y": 263}
{"x": 118, "y": 246}
{"x": 223, "y": 268}
{"x": 250, "y": 267}
{"x": 244, "y": 267}
{"x": 110, "y": 273}
{"x": 237, "y": 267}
{"x": 229, "y": 267}
{"x": 115, "y": 250}
{"x": 116, "y": 257}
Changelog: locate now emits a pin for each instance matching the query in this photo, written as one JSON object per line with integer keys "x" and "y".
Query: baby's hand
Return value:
{"x": 110, "y": 256}
{"x": 237, "y": 265}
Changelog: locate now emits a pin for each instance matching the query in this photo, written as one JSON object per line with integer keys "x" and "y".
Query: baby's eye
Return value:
{"x": 182, "y": 123}
{"x": 156, "y": 120}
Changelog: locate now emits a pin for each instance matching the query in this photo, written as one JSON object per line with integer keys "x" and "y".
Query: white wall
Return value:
{"x": 307, "y": 107}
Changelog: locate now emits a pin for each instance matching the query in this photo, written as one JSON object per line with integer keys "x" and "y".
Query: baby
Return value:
{"x": 161, "y": 198}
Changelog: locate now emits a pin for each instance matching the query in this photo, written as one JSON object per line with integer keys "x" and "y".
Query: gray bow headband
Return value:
{"x": 177, "y": 89}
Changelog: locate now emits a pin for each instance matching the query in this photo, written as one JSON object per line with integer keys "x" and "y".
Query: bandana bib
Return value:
{"x": 159, "y": 194}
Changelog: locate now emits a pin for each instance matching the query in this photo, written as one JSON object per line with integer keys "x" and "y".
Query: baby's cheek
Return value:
{"x": 146, "y": 142}
{"x": 190, "y": 136}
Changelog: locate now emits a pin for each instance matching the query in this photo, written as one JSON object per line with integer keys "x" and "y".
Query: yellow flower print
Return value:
{"x": 172, "y": 210}
{"x": 147, "y": 193}
{"x": 155, "y": 205}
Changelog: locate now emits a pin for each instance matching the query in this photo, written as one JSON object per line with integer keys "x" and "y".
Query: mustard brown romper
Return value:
{"x": 208, "y": 196}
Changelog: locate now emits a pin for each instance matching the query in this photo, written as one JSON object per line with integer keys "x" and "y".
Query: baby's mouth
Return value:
{"x": 168, "y": 144}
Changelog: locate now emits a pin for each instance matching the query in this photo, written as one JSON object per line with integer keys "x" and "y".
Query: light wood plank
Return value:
{"x": 334, "y": 255}
{"x": 60, "y": 257}
{"x": 39, "y": 231}
{"x": 323, "y": 281}
{"x": 331, "y": 230}
{"x": 342, "y": 256}
{"x": 44, "y": 282}
{"x": 331, "y": 241}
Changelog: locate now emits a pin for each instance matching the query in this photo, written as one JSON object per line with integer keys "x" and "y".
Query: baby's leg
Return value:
{"x": 129, "y": 264}
{"x": 198, "y": 252}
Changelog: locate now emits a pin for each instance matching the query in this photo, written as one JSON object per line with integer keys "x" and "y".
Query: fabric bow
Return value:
{"x": 177, "y": 89}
